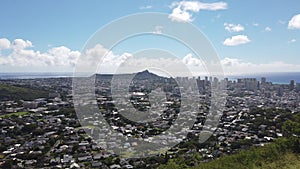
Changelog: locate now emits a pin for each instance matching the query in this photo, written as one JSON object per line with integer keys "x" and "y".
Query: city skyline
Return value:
{"x": 249, "y": 36}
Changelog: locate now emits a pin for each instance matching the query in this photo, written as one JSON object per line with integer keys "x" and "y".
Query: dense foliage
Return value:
{"x": 9, "y": 92}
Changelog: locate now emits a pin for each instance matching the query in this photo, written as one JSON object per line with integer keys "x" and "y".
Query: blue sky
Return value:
{"x": 257, "y": 32}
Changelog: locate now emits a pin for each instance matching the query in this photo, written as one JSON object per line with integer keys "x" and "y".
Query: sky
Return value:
{"x": 249, "y": 36}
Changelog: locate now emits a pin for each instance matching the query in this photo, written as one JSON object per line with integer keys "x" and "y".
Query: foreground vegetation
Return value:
{"x": 283, "y": 153}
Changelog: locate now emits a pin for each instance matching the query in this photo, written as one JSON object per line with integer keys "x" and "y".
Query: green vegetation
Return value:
{"x": 288, "y": 161}
{"x": 283, "y": 153}
{"x": 9, "y": 92}
{"x": 13, "y": 114}
{"x": 274, "y": 154}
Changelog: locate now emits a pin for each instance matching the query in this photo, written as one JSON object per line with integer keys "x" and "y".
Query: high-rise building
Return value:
{"x": 251, "y": 84}
{"x": 263, "y": 81}
{"x": 292, "y": 85}
{"x": 280, "y": 91}
{"x": 215, "y": 82}
{"x": 206, "y": 81}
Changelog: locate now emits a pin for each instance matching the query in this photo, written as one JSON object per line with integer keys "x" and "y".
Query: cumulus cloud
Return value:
{"x": 58, "y": 56}
{"x": 236, "y": 40}
{"x": 21, "y": 44}
{"x": 4, "y": 43}
{"x": 63, "y": 56}
{"x": 294, "y": 23}
{"x": 99, "y": 54}
{"x": 180, "y": 15}
{"x": 189, "y": 60}
{"x": 100, "y": 59}
{"x": 22, "y": 56}
{"x": 228, "y": 62}
{"x": 173, "y": 65}
{"x": 233, "y": 28}
{"x": 182, "y": 11}
{"x": 233, "y": 66}
{"x": 268, "y": 29}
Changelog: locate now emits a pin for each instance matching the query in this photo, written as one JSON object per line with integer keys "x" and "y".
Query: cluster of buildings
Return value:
{"x": 46, "y": 133}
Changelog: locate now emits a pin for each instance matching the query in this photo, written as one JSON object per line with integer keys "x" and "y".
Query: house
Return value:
{"x": 84, "y": 158}
{"x": 96, "y": 164}
{"x": 115, "y": 166}
{"x": 67, "y": 158}
{"x": 74, "y": 165}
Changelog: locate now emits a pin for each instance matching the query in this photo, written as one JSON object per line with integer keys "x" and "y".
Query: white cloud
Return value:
{"x": 63, "y": 56}
{"x": 236, "y": 40}
{"x": 180, "y": 15}
{"x": 58, "y": 56}
{"x": 21, "y": 44}
{"x": 233, "y": 66}
{"x": 4, "y": 43}
{"x": 146, "y": 7}
{"x": 233, "y": 28}
{"x": 212, "y": 6}
{"x": 294, "y": 23}
{"x": 228, "y": 62}
{"x": 182, "y": 11}
{"x": 158, "y": 30}
{"x": 292, "y": 41}
{"x": 189, "y": 60}
{"x": 173, "y": 65}
{"x": 100, "y": 59}
{"x": 21, "y": 56}
{"x": 255, "y": 24}
{"x": 93, "y": 56}
{"x": 268, "y": 29}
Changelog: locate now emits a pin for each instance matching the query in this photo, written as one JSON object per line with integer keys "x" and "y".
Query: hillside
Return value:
{"x": 9, "y": 92}
{"x": 278, "y": 155}
{"x": 283, "y": 153}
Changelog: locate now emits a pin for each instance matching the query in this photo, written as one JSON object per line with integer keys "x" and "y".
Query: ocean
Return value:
{"x": 277, "y": 78}
{"x": 34, "y": 75}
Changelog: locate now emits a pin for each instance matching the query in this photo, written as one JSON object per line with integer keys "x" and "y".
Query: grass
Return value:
{"x": 287, "y": 161}
{"x": 283, "y": 153}
{"x": 12, "y": 114}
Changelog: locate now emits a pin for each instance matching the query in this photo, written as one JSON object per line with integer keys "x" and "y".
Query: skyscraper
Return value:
{"x": 292, "y": 85}
{"x": 263, "y": 81}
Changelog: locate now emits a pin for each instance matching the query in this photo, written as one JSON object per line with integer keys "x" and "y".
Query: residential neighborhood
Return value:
{"x": 47, "y": 132}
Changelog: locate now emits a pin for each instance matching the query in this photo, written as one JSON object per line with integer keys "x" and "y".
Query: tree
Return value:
{"x": 292, "y": 127}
